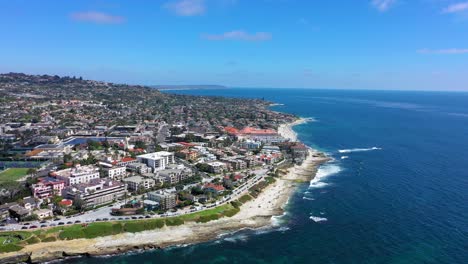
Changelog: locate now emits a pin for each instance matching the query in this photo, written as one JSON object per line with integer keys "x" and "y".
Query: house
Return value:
{"x": 19, "y": 212}
{"x": 214, "y": 188}
{"x": 29, "y": 203}
{"x": 5, "y": 210}
{"x": 136, "y": 183}
{"x": 165, "y": 199}
{"x": 44, "y": 213}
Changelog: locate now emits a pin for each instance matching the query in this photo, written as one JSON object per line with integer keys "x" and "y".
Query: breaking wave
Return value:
{"x": 308, "y": 198}
{"x": 318, "y": 219}
{"x": 344, "y": 157}
{"x": 358, "y": 150}
{"x": 322, "y": 173}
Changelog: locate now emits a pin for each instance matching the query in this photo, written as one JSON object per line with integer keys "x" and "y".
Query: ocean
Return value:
{"x": 396, "y": 191}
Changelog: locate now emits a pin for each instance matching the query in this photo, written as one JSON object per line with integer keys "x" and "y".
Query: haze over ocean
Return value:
{"x": 396, "y": 191}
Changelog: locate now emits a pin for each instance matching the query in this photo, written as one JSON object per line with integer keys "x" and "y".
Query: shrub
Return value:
{"x": 207, "y": 218}
{"x": 245, "y": 198}
{"x": 32, "y": 240}
{"x": 231, "y": 212}
{"x": 134, "y": 227}
{"x": 49, "y": 239}
{"x": 236, "y": 204}
{"x": 9, "y": 248}
{"x": 153, "y": 224}
{"x": 117, "y": 228}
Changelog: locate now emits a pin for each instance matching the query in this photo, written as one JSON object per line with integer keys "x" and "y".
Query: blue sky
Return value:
{"x": 358, "y": 44}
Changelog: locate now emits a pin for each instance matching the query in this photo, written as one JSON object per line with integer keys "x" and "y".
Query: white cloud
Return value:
{"x": 443, "y": 51}
{"x": 97, "y": 17}
{"x": 383, "y": 5}
{"x": 187, "y": 7}
{"x": 239, "y": 35}
{"x": 455, "y": 8}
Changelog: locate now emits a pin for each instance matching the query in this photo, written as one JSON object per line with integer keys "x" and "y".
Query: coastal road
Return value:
{"x": 102, "y": 213}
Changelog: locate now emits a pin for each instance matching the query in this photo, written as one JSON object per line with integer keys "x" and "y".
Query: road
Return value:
{"x": 103, "y": 213}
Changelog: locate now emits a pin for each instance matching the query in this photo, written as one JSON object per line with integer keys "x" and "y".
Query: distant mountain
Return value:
{"x": 188, "y": 87}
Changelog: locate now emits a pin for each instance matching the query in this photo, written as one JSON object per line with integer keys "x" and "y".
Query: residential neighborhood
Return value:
{"x": 84, "y": 156}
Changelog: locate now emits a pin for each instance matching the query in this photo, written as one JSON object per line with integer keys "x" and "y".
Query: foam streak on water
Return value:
{"x": 358, "y": 150}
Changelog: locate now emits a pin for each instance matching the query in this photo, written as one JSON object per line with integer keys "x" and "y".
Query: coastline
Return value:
{"x": 256, "y": 213}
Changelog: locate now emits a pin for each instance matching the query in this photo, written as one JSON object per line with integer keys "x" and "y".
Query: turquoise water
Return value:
{"x": 397, "y": 191}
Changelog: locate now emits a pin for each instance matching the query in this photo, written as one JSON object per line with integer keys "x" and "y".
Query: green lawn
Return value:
{"x": 18, "y": 239}
{"x": 13, "y": 174}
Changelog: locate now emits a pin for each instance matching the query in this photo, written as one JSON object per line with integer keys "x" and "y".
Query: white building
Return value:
{"x": 113, "y": 172}
{"x": 157, "y": 160}
{"x": 96, "y": 192}
{"x": 77, "y": 175}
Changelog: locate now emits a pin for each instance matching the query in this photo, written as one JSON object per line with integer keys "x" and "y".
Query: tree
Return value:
{"x": 79, "y": 204}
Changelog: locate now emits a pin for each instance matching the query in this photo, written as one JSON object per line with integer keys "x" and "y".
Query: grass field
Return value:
{"x": 13, "y": 174}
{"x": 14, "y": 241}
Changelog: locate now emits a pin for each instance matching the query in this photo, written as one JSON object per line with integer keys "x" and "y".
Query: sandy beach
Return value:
{"x": 254, "y": 214}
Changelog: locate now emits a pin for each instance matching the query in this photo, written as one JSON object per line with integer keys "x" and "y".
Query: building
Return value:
{"x": 217, "y": 167}
{"x": 96, "y": 192}
{"x": 136, "y": 183}
{"x": 44, "y": 213}
{"x": 77, "y": 175}
{"x": 175, "y": 175}
{"x": 113, "y": 172}
{"x": 270, "y": 149}
{"x": 19, "y": 212}
{"x": 157, "y": 160}
{"x": 250, "y": 144}
{"x": 187, "y": 154}
{"x": 166, "y": 199}
{"x": 299, "y": 151}
{"x": 5, "y": 210}
{"x": 236, "y": 164}
{"x": 126, "y": 161}
{"x": 215, "y": 188}
{"x": 47, "y": 187}
{"x": 139, "y": 167}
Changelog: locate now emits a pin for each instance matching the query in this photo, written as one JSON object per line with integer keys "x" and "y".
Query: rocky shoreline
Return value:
{"x": 254, "y": 214}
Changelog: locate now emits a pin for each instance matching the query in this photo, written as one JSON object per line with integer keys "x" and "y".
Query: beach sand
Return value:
{"x": 255, "y": 213}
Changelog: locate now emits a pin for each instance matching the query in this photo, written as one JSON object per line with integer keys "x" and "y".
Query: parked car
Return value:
{"x": 61, "y": 223}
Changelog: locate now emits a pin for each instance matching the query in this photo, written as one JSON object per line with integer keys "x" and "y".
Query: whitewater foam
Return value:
{"x": 318, "y": 219}
{"x": 344, "y": 157}
{"x": 308, "y": 198}
{"x": 323, "y": 172}
{"x": 358, "y": 150}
